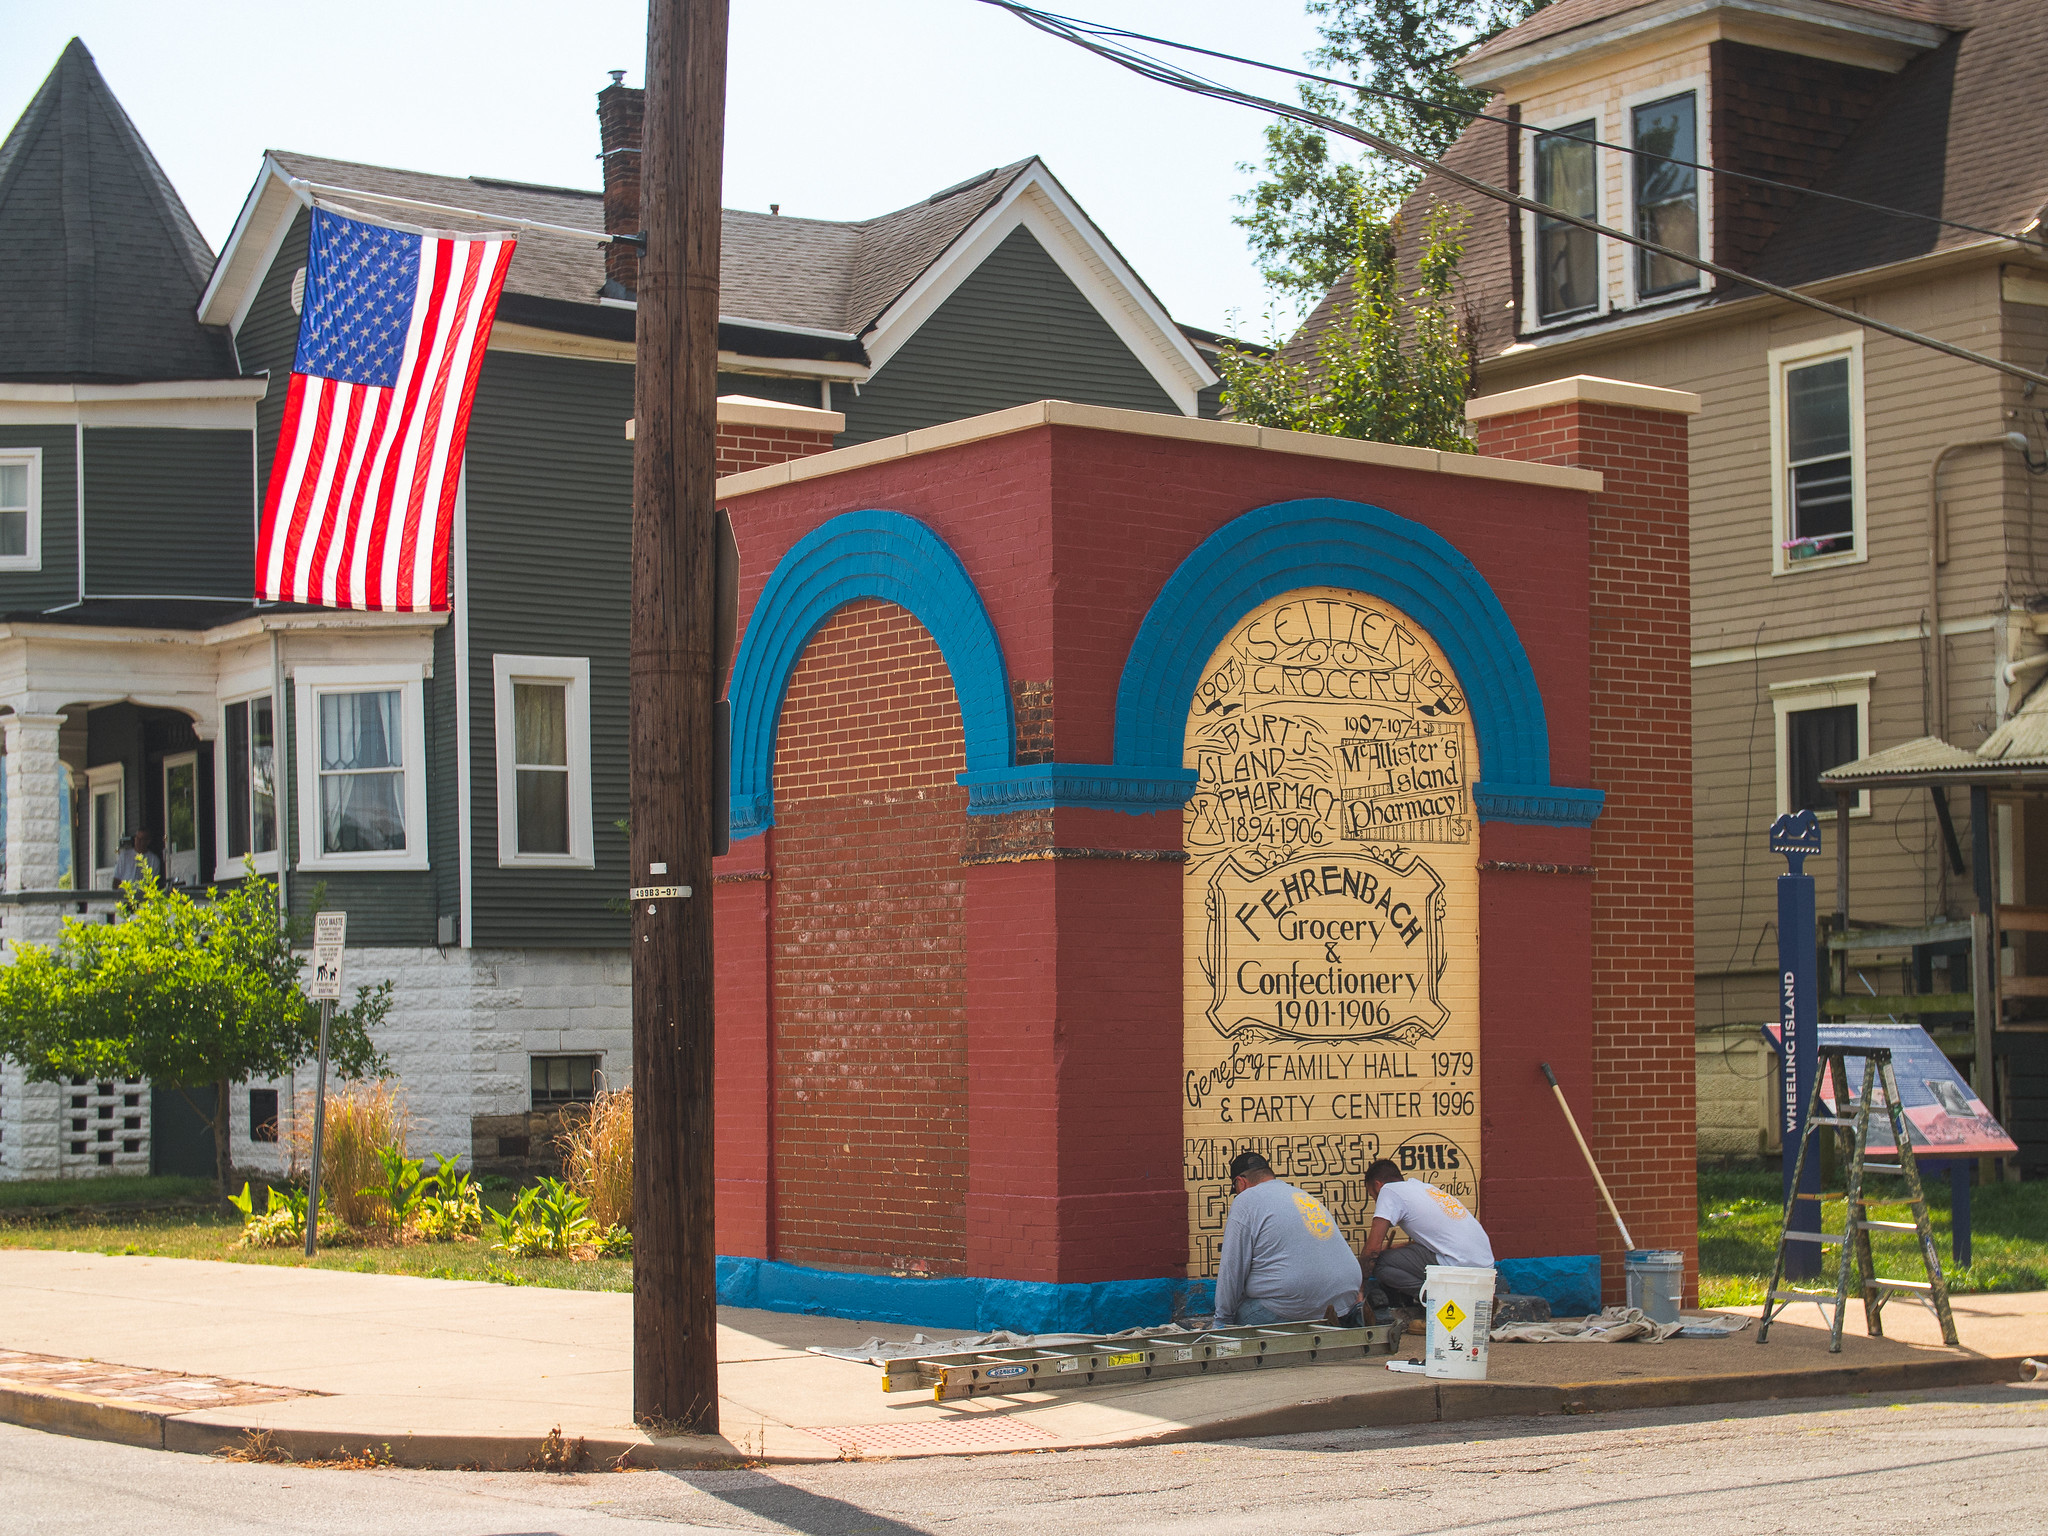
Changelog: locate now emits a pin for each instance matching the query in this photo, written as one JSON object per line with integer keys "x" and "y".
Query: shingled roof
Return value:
{"x": 819, "y": 274}
{"x": 100, "y": 264}
{"x": 1564, "y": 16}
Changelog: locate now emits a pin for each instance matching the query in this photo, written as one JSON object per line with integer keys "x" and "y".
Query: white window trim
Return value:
{"x": 1532, "y": 306}
{"x": 310, "y": 682}
{"x": 107, "y": 776}
{"x": 226, "y": 867}
{"x": 574, "y": 671}
{"x": 1702, "y": 187}
{"x": 32, "y": 560}
{"x": 1789, "y": 699}
{"x": 1779, "y": 360}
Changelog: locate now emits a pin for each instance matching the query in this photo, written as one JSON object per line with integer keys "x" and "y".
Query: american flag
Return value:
{"x": 392, "y": 330}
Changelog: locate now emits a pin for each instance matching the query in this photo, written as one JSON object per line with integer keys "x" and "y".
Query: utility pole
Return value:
{"x": 674, "y": 740}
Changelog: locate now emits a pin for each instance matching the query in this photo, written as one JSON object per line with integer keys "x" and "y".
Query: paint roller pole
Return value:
{"x": 1627, "y": 1242}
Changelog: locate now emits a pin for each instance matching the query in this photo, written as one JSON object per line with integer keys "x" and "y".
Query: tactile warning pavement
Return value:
{"x": 981, "y": 1432}
{"x": 132, "y": 1384}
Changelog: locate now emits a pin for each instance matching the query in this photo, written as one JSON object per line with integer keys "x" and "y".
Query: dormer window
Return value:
{"x": 1667, "y": 199}
{"x": 1567, "y": 257}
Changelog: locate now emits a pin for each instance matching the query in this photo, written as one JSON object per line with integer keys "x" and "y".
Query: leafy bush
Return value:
{"x": 615, "y": 1242}
{"x": 399, "y": 1190}
{"x": 283, "y": 1222}
{"x": 546, "y": 1221}
{"x": 597, "y": 1157}
{"x": 455, "y": 1209}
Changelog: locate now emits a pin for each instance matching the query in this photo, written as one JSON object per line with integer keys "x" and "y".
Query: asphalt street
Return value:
{"x": 1933, "y": 1461}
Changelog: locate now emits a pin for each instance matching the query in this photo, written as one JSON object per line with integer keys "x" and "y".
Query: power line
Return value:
{"x": 1180, "y": 79}
{"x": 1103, "y": 29}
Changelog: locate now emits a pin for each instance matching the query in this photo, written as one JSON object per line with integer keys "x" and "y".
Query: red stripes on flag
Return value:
{"x": 361, "y": 506}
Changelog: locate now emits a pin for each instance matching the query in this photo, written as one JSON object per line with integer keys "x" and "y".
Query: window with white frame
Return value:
{"x": 1667, "y": 197}
{"x": 362, "y": 774}
{"x": 1817, "y": 452}
{"x": 1822, "y": 722}
{"x": 248, "y": 786}
{"x": 1565, "y": 168}
{"x": 21, "y": 509}
{"x": 543, "y": 741}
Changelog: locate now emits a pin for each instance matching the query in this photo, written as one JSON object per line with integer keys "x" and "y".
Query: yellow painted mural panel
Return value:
{"x": 1332, "y": 911}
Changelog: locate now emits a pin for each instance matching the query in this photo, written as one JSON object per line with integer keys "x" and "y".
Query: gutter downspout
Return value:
{"x": 280, "y": 758}
{"x": 1939, "y": 660}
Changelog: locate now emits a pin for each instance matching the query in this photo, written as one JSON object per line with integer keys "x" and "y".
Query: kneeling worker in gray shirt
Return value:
{"x": 1440, "y": 1231}
{"x": 1285, "y": 1259}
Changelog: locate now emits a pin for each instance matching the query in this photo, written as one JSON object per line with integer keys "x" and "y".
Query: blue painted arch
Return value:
{"x": 861, "y": 554}
{"x": 1323, "y": 542}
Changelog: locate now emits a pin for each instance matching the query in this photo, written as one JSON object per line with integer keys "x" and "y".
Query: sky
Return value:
{"x": 837, "y": 109}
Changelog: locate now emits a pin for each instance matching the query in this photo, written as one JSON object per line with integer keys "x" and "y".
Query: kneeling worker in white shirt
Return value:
{"x": 1440, "y": 1231}
{"x": 1285, "y": 1259}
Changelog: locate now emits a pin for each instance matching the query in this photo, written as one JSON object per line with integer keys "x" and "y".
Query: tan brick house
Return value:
{"x": 1866, "y": 555}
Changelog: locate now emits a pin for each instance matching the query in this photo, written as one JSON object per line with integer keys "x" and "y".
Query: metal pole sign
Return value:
{"x": 1797, "y": 837}
{"x": 330, "y": 934}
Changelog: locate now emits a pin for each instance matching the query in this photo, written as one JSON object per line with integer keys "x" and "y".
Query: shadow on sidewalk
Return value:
{"x": 761, "y": 1495}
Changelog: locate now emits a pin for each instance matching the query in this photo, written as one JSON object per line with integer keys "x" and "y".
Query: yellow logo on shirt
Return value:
{"x": 1313, "y": 1216}
{"x": 1452, "y": 1207}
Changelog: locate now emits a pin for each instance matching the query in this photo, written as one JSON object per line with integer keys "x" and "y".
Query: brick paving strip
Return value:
{"x": 173, "y": 1391}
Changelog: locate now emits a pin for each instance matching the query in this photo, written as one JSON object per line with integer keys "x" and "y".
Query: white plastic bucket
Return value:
{"x": 1656, "y": 1280}
{"x": 1457, "y": 1307}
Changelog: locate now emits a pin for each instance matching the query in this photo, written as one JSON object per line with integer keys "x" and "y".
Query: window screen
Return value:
{"x": 1567, "y": 257}
{"x": 1815, "y": 741}
{"x": 564, "y": 1079}
{"x": 1820, "y": 467}
{"x": 1667, "y": 195}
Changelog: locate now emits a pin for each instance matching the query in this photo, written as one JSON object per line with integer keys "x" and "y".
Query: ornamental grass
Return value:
{"x": 364, "y": 1120}
{"x": 597, "y": 1157}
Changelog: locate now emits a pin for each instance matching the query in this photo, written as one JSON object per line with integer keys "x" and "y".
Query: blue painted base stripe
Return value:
{"x": 967, "y": 1304}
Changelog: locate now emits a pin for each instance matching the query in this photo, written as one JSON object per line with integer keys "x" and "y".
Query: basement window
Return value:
{"x": 564, "y": 1080}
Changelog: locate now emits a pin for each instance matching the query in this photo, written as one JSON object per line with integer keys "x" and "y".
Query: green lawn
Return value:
{"x": 29, "y": 1194}
{"x": 1740, "y": 1213}
{"x": 211, "y": 1234}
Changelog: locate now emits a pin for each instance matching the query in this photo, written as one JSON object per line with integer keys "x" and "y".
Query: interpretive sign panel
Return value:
{"x": 1332, "y": 911}
{"x": 1944, "y": 1116}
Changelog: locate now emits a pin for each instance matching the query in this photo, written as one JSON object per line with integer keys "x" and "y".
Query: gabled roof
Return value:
{"x": 100, "y": 264}
{"x": 1956, "y": 133}
{"x": 864, "y": 283}
{"x": 1566, "y": 26}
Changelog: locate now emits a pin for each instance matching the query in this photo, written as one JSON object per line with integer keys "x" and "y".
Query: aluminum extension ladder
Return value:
{"x": 1853, "y": 1140}
{"x": 1134, "y": 1357}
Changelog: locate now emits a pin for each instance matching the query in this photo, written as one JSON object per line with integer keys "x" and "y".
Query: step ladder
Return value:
{"x": 1852, "y": 1133}
{"x": 1112, "y": 1359}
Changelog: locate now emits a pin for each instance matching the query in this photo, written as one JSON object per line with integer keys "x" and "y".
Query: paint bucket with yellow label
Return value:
{"x": 1457, "y": 1307}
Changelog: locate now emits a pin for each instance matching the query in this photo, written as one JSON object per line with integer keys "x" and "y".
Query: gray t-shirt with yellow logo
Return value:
{"x": 1284, "y": 1248}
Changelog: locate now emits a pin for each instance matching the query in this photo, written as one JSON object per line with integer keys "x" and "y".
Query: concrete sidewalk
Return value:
{"x": 192, "y": 1355}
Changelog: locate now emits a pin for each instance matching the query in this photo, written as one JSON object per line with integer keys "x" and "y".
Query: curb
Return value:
{"x": 88, "y": 1418}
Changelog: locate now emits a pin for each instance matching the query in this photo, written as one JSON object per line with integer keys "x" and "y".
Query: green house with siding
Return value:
{"x": 455, "y": 782}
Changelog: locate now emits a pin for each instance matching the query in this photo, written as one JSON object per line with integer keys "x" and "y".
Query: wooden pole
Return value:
{"x": 675, "y": 1360}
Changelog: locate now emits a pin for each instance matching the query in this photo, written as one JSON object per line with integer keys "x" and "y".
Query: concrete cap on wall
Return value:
{"x": 746, "y": 411}
{"x": 1584, "y": 387}
{"x": 1066, "y": 413}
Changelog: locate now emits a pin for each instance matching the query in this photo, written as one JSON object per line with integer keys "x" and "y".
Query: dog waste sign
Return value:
{"x": 330, "y": 932}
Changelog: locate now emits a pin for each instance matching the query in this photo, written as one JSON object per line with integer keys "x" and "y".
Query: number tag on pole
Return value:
{"x": 330, "y": 932}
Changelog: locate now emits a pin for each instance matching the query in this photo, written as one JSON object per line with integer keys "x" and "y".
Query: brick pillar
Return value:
{"x": 757, "y": 434}
{"x": 620, "y": 109}
{"x": 1642, "y": 1125}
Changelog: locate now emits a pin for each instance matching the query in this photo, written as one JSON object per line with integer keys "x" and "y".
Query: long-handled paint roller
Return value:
{"x": 1626, "y": 1240}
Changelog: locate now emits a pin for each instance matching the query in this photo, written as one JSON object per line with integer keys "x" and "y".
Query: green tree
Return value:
{"x": 1299, "y": 216}
{"x": 1390, "y": 367}
{"x": 180, "y": 990}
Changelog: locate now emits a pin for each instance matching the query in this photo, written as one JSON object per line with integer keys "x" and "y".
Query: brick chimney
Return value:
{"x": 620, "y": 108}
